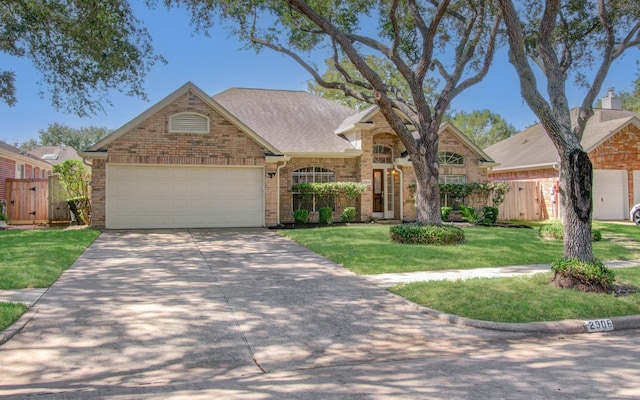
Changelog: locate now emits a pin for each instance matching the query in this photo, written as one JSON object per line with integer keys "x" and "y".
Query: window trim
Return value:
{"x": 378, "y": 146}
{"x": 196, "y": 119}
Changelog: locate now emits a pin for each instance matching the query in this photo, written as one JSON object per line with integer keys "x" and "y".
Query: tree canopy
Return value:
{"x": 631, "y": 99}
{"x": 58, "y": 134}
{"x": 483, "y": 127}
{"x": 82, "y": 48}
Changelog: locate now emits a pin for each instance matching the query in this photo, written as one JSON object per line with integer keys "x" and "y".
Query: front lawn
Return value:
{"x": 36, "y": 258}
{"x": 367, "y": 249}
{"x": 9, "y": 313}
{"x": 522, "y": 299}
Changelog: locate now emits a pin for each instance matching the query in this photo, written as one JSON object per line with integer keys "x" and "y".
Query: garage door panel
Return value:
{"x": 609, "y": 194}
{"x": 184, "y": 197}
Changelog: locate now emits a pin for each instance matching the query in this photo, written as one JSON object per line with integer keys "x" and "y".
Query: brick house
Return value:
{"x": 230, "y": 160}
{"x": 16, "y": 164}
{"x": 612, "y": 141}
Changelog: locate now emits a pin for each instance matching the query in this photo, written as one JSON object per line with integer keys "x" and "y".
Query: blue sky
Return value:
{"x": 218, "y": 62}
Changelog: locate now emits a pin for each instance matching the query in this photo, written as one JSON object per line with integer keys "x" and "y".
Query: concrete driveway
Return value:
{"x": 248, "y": 314}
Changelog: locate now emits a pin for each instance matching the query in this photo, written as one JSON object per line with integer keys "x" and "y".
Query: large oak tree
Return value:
{"x": 452, "y": 41}
{"x": 563, "y": 38}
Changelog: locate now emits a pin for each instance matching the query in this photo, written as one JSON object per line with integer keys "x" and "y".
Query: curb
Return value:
{"x": 568, "y": 327}
{"x": 17, "y": 326}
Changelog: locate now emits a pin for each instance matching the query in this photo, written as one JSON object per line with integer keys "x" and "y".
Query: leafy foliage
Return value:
{"x": 482, "y": 192}
{"x": 75, "y": 177}
{"x": 483, "y": 127}
{"x": 483, "y": 216}
{"x": 426, "y": 234}
{"x": 444, "y": 212}
{"x": 300, "y": 216}
{"x": 588, "y": 272}
{"x": 330, "y": 191}
{"x": 348, "y": 214}
{"x": 631, "y": 99}
{"x": 556, "y": 231}
{"x": 82, "y": 48}
{"x": 325, "y": 215}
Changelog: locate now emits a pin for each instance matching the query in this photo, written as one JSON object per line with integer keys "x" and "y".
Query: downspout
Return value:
{"x": 278, "y": 192}
{"x": 395, "y": 168}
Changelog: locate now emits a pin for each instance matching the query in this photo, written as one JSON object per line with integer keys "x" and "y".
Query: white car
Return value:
{"x": 634, "y": 215}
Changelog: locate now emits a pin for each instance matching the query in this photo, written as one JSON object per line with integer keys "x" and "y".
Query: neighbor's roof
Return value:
{"x": 532, "y": 148}
{"x": 55, "y": 155}
{"x": 18, "y": 154}
{"x": 292, "y": 121}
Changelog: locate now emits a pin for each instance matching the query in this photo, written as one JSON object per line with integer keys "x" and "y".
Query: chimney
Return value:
{"x": 611, "y": 102}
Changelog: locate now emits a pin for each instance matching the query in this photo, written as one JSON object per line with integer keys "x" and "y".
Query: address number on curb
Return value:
{"x": 599, "y": 325}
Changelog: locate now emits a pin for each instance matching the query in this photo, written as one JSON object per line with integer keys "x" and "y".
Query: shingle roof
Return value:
{"x": 63, "y": 154}
{"x": 12, "y": 149}
{"x": 533, "y": 147}
{"x": 292, "y": 121}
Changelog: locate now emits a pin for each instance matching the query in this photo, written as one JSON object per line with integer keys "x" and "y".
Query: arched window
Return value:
{"x": 382, "y": 154}
{"x": 450, "y": 158}
{"x": 311, "y": 175}
{"x": 188, "y": 122}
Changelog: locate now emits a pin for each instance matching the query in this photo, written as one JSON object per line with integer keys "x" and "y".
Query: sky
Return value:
{"x": 218, "y": 62}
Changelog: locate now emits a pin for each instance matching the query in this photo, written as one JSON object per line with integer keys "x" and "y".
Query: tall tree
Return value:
{"x": 483, "y": 127}
{"x": 58, "y": 134}
{"x": 451, "y": 39}
{"x": 560, "y": 37}
{"x": 631, "y": 99}
{"x": 82, "y": 48}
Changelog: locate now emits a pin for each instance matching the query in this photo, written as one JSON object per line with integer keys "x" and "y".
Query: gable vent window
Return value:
{"x": 188, "y": 122}
{"x": 449, "y": 158}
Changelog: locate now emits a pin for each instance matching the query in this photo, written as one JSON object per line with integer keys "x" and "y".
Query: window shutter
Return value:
{"x": 188, "y": 123}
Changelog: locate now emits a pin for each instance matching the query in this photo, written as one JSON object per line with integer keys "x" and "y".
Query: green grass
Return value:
{"x": 522, "y": 299}
{"x": 9, "y": 313}
{"x": 36, "y": 258}
{"x": 367, "y": 248}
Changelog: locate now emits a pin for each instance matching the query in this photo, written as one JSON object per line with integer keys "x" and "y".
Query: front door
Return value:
{"x": 383, "y": 198}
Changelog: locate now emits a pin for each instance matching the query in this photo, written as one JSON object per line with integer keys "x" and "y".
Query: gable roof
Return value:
{"x": 9, "y": 151}
{"x": 293, "y": 121}
{"x": 532, "y": 148}
{"x": 187, "y": 87}
{"x": 55, "y": 155}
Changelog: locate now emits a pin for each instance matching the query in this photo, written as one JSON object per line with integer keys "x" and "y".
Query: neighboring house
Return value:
{"x": 55, "y": 155}
{"x": 230, "y": 160}
{"x": 612, "y": 141}
{"x": 14, "y": 163}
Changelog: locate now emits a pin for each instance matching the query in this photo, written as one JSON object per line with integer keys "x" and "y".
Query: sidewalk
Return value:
{"x": 26, "y": 296}
{"x": 388, "y": 280}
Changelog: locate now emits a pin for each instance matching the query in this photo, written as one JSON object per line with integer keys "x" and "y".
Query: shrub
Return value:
{"x": 300, "y": 216}
{"x": 589, "y": 273}
{"x": 556, "y": 231}
{"x": 444, "y": 213}
{"x": 348, "y": 214}
{"x": 426, "y": 234}
{"x": 483, "y": 216}
{"x": 325, "y": 214}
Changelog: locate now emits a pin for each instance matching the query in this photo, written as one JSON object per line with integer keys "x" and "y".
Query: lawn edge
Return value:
{"x": 17, "y": 326}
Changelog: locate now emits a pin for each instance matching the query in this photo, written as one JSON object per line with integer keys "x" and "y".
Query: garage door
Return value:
{"x": 184, "y": 197}
{"x": 609, "y": 194}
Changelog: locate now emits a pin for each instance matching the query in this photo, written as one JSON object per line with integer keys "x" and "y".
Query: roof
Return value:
{"x": 292, "y": 121}
{"x": 18, "y": 154}
{"x": 55, "y": 155}
{"x": 100, "y": 147}
{"x": 532, "y": 148}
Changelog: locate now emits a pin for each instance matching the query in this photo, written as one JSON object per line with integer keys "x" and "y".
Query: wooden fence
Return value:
{"x": 524, "y": 201}
{"x": 36, "y": 201}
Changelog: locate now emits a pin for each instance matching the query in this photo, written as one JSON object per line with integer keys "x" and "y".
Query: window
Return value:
{"x": 188, "y": 122}
{"x": 382, "y": 154}
{"x": 452, "y": 179}
{"x": 19, "y": 171}
{"x": 311, "y": 175}
{"x": 449, "y": 158}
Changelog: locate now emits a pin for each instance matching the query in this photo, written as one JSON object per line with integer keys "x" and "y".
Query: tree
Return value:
{"x": 561, "y": 37}
{"x": 58, "y": 134}
{"x": 82, "y": 48}
{"x": 631, "y": 100}
{"x": 382, "y": 66}
{"x": 483, "y": 127}
{"x": 75, "y": 178}
{"x": 452, "y": 39}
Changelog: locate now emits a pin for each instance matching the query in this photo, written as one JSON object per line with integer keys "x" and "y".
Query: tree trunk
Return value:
{"x": 576, "y": 177}
{"x": 427, "y": 190}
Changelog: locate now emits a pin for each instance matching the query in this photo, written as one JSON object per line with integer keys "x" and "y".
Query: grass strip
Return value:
{"x": 522, "y": 299}
{"x": 10, "y": 313}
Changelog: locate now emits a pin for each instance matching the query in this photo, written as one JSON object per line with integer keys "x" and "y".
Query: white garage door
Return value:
{"x": 636, "y": 188}
{"x": 184, "y": 197}
{"x": 610, "y": 194}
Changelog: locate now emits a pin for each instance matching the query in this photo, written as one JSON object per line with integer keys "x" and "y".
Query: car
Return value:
{"x": 634, "y": 215}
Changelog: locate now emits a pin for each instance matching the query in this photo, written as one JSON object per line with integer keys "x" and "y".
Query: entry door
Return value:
{"x": 383, "y": 193}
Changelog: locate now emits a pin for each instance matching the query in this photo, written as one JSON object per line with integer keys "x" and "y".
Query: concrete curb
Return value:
{"x": 17, "y": 326}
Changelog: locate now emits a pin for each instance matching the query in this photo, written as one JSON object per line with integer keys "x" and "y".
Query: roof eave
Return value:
{"x": 348, "y": 153}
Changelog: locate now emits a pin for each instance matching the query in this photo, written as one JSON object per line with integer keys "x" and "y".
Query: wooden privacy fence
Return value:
{"x": 36, "y": 201}
{"x": 522, "y": 202}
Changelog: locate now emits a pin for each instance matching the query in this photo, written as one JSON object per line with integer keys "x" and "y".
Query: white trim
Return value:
{"x": 349, "y": 153}
{"x": 552, "y": 165}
